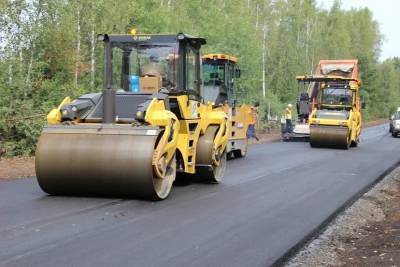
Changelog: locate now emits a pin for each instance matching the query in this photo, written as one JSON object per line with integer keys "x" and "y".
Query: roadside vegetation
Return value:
{"x": 48, "y": 51}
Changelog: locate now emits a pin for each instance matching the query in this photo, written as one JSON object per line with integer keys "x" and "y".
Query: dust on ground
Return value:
{"x": 366, "y": 234}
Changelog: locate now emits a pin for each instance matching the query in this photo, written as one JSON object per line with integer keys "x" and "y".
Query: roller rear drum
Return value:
{"x": 206, "y": 169}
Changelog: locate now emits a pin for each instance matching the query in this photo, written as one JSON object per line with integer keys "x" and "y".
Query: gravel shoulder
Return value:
{"x": 366, "y": 234}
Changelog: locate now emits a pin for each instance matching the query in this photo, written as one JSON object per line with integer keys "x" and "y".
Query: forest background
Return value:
{"x": 48, "y": 51}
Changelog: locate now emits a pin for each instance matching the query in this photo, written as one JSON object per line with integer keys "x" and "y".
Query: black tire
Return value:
{"x": 240, "y": 153}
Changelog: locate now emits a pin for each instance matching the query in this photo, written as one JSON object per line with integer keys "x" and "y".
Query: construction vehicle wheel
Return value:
{"x": 355, "y": 143}
{"x": 348, "y": 142}
{"x": 206, "y": 169}
{"x": 328, "y": 136}
{"x": 163, "y": 185}
{"x": 241, "y": 153}
{"x": 215, "y": 173}
{"x": 80, "y": 161}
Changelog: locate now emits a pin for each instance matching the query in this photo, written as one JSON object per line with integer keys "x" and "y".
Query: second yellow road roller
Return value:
{"x": 335, "y": 120}
{"x": 220, "y": 72}
{"x": 148, "y": 124}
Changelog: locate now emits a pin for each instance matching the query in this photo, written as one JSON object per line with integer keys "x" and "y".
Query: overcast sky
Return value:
{"x": 386, "y": 12}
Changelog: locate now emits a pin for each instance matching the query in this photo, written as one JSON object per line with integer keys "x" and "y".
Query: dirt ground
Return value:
{"x": 17, "y": 167}
{"x": 366, "y": 234}
{"x": 268, "y": 136}
{"x": 21, "y": 167}
{"x": 375, "y": 122}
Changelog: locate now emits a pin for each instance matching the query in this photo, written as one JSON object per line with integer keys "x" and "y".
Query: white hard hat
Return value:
{"x": 289, "y": 105}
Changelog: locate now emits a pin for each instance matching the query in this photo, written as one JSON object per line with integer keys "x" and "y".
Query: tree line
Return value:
{"x": 48, "y": 51}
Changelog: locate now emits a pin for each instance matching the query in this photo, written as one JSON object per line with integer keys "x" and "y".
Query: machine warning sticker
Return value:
{"x": 194, "y": 109}
{"x": 151, "y": 132}
{"x": 141, "y": 38}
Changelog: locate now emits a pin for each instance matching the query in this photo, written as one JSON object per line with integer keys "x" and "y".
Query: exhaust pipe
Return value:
{"x": 109, "y": 106}
{"x": 108, "y": 93}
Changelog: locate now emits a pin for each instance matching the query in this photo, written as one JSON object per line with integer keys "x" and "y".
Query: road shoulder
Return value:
{"x": 365, "y": 234}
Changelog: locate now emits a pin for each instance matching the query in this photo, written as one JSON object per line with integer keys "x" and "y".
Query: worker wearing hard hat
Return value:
{"x": 288, "y": 117}
{"x": 251, "y": 130}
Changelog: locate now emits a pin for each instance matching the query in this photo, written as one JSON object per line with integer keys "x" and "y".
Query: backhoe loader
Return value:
{"x": 148, "y": 124}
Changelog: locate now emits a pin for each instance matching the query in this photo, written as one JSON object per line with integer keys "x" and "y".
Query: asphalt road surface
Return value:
{"x": 267, "y": 204}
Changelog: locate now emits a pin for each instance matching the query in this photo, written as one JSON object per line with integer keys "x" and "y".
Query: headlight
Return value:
{"x": 140, "y": 115}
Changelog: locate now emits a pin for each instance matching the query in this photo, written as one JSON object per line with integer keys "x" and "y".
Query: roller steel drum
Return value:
{"x": 205, "y": 169}
{"x": 113, "y": 160}
{"x": 329, "y": 136}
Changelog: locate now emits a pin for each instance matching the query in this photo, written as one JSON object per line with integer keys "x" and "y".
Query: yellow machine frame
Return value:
{"x": 180, "y": 133}
{"x": 354, "y": 121}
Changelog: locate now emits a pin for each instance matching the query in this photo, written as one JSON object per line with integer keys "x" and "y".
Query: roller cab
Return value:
{"x": 131, "y": 139}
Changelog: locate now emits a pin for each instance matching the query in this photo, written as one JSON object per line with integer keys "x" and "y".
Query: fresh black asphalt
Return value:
{"x": 268, "y": 202}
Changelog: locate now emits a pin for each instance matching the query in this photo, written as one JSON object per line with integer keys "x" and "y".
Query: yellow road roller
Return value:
{"x": 335, "y": 120}
{"x": 219, "y": 74}
{"x": 148, "y": 124}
